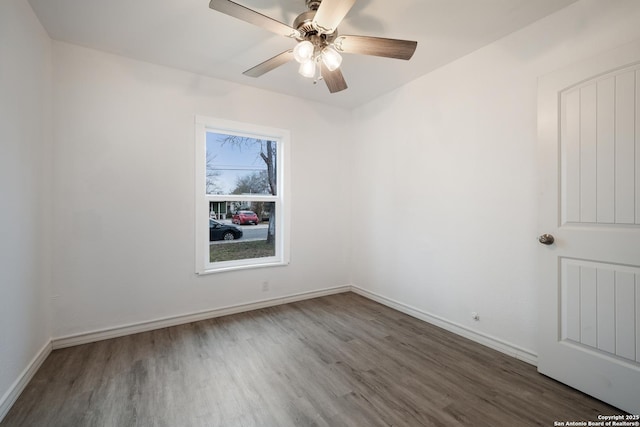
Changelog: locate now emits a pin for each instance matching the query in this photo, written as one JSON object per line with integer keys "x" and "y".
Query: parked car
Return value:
{"x": 219, "y": 231}
{"x": 245, "y": 217}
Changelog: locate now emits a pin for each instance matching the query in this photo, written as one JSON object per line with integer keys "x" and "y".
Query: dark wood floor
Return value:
{"x": 340, "y": 360}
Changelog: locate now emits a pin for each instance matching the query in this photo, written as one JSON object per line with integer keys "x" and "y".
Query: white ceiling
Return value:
{"x": 186, "y": 34}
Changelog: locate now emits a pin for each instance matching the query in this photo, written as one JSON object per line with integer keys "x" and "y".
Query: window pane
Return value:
{"x": 240, "y": 165}
{"x": 241, "y": 230}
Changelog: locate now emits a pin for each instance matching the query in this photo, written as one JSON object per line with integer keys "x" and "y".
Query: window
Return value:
{"x": 242, "y": 218}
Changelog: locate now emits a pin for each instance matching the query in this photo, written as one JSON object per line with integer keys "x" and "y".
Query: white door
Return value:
{"x": 589, "y": 165}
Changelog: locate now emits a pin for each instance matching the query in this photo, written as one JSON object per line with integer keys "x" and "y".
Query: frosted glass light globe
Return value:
{"x": 308, "y": 69}
{"x": 303, "y": 51}
{"x": 331, "y": 58}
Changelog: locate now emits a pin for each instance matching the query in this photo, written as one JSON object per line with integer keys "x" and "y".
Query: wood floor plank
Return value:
{"x": 340, "y": 360}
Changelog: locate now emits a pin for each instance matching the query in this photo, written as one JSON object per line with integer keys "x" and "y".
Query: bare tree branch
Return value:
{"x": 268, "y": 154}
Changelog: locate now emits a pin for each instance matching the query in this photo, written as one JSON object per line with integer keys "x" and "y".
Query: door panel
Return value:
{"x": 598, "y": 306}
{"x": 598, "y": 148}
{"x": 589, "y": 140}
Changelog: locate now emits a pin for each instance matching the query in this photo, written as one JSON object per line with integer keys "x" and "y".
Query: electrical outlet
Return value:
{"x": 475, "y": 316}
{"x": 265, "y": 286}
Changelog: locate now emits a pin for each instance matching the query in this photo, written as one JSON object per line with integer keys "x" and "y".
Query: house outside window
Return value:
{"x": 242, "y": 215}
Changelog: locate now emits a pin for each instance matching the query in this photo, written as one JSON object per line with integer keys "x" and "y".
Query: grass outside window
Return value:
{"x": 241, "y": 250}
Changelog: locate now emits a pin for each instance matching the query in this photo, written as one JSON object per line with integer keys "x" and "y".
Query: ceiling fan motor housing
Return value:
{"x": 304, "y": 24}
{"x": 313, "y": 4}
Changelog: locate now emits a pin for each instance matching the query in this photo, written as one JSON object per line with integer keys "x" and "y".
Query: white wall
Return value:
{"x": 445, "y": 171}
{"x": 25, "y": 85}
{"x": 124, "y": 192}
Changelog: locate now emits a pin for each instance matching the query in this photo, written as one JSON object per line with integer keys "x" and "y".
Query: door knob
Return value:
{"x": 546, "y": 239}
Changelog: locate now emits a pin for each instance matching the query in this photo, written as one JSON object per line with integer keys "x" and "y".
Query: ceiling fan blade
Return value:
{"x": 330, "y": 14}
{"x": 334, "y": 79}
{"x": 376, "y": 46}
{"x": 270, "y": 64}
{"x": 251, "y": 16}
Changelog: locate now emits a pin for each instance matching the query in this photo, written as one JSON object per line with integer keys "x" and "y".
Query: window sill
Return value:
{"x": 227, "y": 268}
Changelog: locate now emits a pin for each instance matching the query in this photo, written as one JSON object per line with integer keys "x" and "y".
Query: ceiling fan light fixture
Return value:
{"x": 308, "y": 68}
{"x": 303, "y": 51}
{"x": 318, "y": 40}
{"x": 331, "y": 58}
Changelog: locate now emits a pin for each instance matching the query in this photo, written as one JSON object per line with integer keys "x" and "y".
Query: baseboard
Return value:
{"x": 123, "y": 330}
{"x": 134, "y": 328}
{"x": 479, "y": 337}
{"x": 9, "y": 398}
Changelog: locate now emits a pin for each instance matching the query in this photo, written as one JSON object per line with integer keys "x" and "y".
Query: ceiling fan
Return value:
{"x": 319, "y": 44}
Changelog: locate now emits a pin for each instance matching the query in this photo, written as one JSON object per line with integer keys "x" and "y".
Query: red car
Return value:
{"x": 245, "y": 217}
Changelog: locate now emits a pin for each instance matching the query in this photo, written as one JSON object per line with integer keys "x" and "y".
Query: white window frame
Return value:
{"x": 282, "y": 217}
